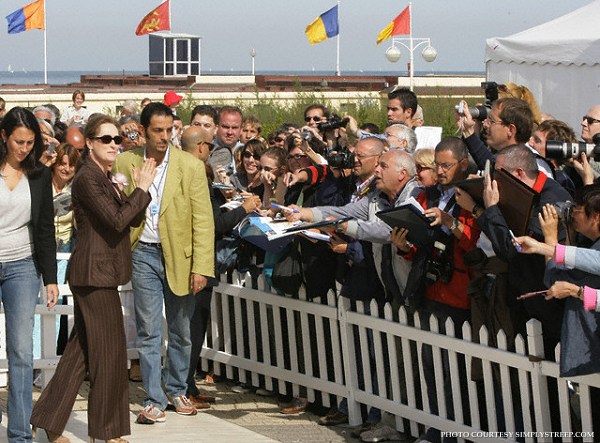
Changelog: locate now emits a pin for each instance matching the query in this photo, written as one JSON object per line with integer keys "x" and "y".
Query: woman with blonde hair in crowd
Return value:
{"x": 519, "y": 91}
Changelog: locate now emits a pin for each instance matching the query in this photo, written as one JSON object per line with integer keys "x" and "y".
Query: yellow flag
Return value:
{"x": 385, "y": 32}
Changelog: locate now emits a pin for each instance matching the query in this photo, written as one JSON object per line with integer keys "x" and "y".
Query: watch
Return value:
{"x": 454, "y": 224}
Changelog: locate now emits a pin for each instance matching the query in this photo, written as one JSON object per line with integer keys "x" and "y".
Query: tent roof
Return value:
{"x": 573, "y": 38}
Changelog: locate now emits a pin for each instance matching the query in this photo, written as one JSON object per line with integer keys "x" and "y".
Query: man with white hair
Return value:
{"x": 400, "y": 136}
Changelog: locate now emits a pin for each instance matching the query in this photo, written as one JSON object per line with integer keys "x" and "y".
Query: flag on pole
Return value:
{"x": 323, "y": 27}
{"x": 28, "y": 17}
{"x": 156, "y": 20}
{"x": 399, "y": 26}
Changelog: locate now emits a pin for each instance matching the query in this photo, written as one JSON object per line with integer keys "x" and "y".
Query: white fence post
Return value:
{"x": 539, "y": 382}
{"x": 349, "y": 359}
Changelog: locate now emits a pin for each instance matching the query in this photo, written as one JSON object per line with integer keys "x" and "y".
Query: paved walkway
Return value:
{"x": 235, "y": 418}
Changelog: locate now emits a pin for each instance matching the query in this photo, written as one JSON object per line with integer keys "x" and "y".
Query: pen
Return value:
{"x": 284, "y": 208}
{"x": 514, "y": 239}
{"x": 532, "y": 294}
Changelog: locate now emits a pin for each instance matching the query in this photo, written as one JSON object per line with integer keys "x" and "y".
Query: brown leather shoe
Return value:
{"x": 198, "y": 403}
{"x": 205, "y": 398}
{"x": 334, "y": 418}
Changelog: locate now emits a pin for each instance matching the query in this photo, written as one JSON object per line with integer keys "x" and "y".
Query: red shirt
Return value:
{"x": 454, "y": 293}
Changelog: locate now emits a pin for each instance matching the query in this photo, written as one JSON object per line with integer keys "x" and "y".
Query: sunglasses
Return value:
{"x": 279, "y": 139}
{"x": 106, "y": 139}
{"x": 296, "y": 156}
{"x": 250, "y": 155}
{"x": 590, "y": 120}
{"x": 421, "y": 168}
{"x": 314, "y": 118}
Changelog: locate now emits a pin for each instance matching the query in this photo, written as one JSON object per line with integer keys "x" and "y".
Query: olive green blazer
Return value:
{"x": 185, "y": 223}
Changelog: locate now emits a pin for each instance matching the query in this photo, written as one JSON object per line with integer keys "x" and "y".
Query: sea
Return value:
{"x": 22, "y": 77}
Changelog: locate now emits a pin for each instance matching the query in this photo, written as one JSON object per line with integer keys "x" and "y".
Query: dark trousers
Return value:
{"x": 198, "y": 327}
{"x": 96, "y": 345}
{"x": 458, "y": 316}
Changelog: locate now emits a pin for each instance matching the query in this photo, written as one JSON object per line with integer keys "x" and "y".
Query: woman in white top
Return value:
{"x": 76, "y": 114}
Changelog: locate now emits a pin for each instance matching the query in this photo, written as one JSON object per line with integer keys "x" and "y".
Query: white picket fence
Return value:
{"x": 318, "y": 358}
{"x": 246, "y": 340}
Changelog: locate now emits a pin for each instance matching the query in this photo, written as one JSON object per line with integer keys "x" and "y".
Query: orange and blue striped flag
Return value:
{"x": 28, "y": 17}
{"x": 323, "y": 27}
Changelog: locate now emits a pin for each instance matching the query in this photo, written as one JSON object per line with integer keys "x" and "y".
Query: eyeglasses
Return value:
{"x": 492, "y": 122}
{"x": 106, "y": 139}
{"x": 445, "y": 166}
{"x": 363, "y": 156}
{"x": 279, "y": 139}
{"x": 421, "y": 168}
{"x": 250, "y": 155}
{"x": 590, "y": 120}
{"x": 297, "y": 156}
{"x": 314, "y": 118}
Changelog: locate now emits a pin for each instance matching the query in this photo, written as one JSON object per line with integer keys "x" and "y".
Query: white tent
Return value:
{"x": 559, "y": 61}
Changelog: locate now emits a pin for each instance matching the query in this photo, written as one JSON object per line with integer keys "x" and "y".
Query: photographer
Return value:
{"x": 323, "y": 126}
{"x": 510, "y": 121}
{"x": 435, "y": 288}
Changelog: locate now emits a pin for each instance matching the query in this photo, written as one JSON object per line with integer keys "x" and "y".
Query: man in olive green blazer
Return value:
{"x": 173, "y": 254}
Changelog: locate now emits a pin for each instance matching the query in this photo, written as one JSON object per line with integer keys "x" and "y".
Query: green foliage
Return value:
{"x": 274, "y": 111}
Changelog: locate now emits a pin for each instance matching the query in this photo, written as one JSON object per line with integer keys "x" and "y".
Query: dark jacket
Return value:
{"x": 42, "y": 224}
{"x": 526, "y": 271}
{"x": 102, "y": 255}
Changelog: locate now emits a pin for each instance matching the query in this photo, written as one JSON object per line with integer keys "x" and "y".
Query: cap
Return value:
{"x": 172, "y": 98}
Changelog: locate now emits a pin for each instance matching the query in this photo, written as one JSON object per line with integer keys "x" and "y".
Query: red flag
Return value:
{"x": 156, "y": 20}
{"x": 399, "y": 26}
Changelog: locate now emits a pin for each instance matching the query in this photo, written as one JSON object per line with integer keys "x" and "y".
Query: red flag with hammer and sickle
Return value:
{"x": 156, "y": 20}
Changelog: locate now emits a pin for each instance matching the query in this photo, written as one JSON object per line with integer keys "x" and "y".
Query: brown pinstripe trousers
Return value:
{"x": 97, "y": 344}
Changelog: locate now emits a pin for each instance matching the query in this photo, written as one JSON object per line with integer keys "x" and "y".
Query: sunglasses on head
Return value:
{"x": 250, "y": 155}
{"x": 106, "y": 139}
{"x": 314, "y": 118}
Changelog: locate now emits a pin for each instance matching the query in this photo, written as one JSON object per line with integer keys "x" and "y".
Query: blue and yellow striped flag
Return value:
{"x": 325, "y": 26}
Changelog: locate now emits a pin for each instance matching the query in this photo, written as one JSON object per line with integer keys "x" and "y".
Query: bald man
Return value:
{"x": 74, "y": 137}
{"x": 197, "y": 141}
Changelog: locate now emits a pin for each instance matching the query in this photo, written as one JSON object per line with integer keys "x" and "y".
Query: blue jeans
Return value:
{"x": 151, "y": 290}
{"x": 19, "y": 288}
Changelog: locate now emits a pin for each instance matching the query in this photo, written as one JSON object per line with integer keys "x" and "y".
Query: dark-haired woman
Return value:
{"x": 27, "y": 251}
{"x": 101, "y": 260}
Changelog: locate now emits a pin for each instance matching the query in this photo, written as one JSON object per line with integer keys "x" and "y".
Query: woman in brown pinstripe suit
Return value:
{"x": 100, "y": 262}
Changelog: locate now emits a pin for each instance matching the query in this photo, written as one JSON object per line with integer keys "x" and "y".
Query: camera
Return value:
{"x": 439, "y": 266}
{"x": 133, "y": 135}
{"x": 481, "y": 112}
{"x": 342, "y": 159}
{"x": 306, "y": 135}
{"x": 561, "y": 151}
{"x": 333, "y": 122}
{"x": 564, "y": 211}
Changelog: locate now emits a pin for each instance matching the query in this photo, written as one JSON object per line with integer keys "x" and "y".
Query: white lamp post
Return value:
{"x": 393, "y": 53}
{"x": 253, "y": 54}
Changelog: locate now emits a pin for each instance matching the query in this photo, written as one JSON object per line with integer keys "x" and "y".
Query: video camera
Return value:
{"x": 333, "y": 122}
{"x": 481, "y": 112}
{"x": 562, "y": 151}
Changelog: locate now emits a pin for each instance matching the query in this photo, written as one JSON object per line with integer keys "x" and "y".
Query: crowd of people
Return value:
{"x": 155, "y": 200}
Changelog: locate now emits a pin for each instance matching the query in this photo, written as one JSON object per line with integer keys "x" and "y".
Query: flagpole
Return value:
{"x": 412, "y": 58}
{"x": 45, "y": 48}
{"x": 337, "y": 63}
{"x": 170, "y": 20}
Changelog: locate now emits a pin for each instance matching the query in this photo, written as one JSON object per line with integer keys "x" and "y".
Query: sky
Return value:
{"x": 86, "y": 35}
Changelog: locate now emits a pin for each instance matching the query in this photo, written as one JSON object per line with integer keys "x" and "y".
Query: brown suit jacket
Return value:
{"x": 102, "y": 254}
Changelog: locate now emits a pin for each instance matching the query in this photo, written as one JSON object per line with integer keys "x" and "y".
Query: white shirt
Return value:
{"x": 151, "y": 233}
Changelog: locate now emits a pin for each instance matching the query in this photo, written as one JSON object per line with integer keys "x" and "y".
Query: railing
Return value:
{"x": 319, "y": 350}
{"x": 319, "y": 355}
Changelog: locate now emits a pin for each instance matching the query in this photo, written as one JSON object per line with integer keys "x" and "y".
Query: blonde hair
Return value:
{"x": 513, "y": 90}
{"x": 425, "y": 157}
